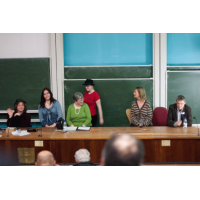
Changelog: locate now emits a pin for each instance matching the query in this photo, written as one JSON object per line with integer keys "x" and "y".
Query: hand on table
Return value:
{"x": 72, "y": 125}
{"x": 178, "y": 123}
{"x": 83, "y": 125}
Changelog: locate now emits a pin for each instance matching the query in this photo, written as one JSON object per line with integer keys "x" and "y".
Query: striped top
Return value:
{"x": 145, "y": 113}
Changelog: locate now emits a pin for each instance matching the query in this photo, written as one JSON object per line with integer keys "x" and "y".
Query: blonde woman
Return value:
{"x": 141, "y": 112}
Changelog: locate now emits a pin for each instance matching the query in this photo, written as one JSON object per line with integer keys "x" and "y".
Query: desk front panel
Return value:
{"x": 184, "y": 144}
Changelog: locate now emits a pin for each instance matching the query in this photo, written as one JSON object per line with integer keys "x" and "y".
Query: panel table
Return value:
{"x": 184, "y": 143}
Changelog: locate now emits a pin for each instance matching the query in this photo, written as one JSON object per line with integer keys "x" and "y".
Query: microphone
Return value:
{"x": 197, "y": 125}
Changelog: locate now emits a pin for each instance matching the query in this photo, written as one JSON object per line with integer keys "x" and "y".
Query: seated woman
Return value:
{"x": 19, "y": 118}
{"x": 78, "y": 113}
{"x": 49, "y": 109}
{"x": 141, "y": 112}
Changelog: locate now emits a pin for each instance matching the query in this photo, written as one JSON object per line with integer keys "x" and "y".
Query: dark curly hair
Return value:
{"x": 16, "y": 104}
{"x": 42, "y": 102}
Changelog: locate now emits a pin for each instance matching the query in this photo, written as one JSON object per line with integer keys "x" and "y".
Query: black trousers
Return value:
{"x": 94, "y": 120}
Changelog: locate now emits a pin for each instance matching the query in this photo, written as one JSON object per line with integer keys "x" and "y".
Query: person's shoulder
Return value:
{"x": 85, "y": 105}
{"x": 187, "y": 107}
{"x": 147, "y": 102}
{"x": 95, "y": 93}
{"x": 86, "y": 92}
{"x": 134, "y": 102}
{"x": 71, "y": 105}
{"x": 56, "y": 102}
{"x": 172, "y": 106}
{"x": 28, "y": 114}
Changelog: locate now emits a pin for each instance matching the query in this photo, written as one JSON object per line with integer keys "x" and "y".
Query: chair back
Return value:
{"x": 160, "y": 116}
{"x": 128, "y": 113}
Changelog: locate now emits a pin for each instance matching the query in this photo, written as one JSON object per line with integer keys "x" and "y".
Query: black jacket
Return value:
{"x": 23, "y": 120}
{"x": 172, "y": 115}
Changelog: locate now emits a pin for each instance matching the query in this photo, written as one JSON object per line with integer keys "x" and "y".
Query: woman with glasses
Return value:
{"x": 49, "y": 109}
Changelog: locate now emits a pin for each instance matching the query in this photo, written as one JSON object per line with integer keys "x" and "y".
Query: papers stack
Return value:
{"x": 81, "y": 128}
{"x": 70, "y": 128}
{"x": 22, "y": 133}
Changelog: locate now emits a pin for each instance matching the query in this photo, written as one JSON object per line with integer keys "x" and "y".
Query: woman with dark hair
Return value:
{"x": 49, "y": 109}
{"x": 18, "y": 118}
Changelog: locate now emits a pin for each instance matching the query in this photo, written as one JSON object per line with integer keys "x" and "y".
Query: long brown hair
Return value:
{"x": 43, "y": 100}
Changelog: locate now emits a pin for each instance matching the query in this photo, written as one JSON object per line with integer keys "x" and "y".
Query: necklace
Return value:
{"x": 78, "y": 111}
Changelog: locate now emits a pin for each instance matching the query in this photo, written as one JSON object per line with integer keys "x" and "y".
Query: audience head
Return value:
{"x": 45, "y": 158}
{"x": 180, "y": 102}
{"x": 82, "y": 155}
{"x": 123, "y": 150}
{"x": 140, "y": 93}
{"x": 78, "y": 98}
{"x": 20, "y": 105}
{"x": 46, "y": 96}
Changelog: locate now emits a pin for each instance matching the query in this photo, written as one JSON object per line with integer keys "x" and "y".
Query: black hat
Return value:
{"x": 19, "y": 100}
{"x": 88, "y": 82}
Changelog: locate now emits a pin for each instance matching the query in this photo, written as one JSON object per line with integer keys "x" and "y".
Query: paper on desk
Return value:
{"x": 70, "y": 128}
{"x": 15, "y": 133}
{"x": 82, "y": 128}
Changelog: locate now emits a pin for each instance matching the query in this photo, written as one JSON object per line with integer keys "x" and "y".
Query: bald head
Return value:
{"x": 123, "y": 150}
{"x": 45, "y": 158}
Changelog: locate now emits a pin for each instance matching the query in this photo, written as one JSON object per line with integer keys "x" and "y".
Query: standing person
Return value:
{"x": 92, "y": 98}
{"x": 19, "y": 118}
{"x": 141, "y": 112}
{"x": 178, "y": 111}
{"x": 78, "y": 113}
{"x": 49, "y": 109}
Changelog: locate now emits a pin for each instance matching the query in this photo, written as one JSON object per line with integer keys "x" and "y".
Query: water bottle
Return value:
{"x": 185, "y": 123}
{"x": 65, "y": 126}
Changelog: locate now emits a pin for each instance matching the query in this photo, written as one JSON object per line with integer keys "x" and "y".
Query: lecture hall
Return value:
{"x": 144, "y": 91}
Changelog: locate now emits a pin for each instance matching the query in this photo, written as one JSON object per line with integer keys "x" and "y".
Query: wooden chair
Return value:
{"x": 128, "y": 113}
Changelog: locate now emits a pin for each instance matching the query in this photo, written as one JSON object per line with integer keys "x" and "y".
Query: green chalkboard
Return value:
{"x": 116, "y": 96}
{"x": 108, "y": 72}
{"x": 186, "y": 84}
{"x": 23, "y": 78}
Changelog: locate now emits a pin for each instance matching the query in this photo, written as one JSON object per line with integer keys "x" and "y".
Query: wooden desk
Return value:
{"x": 184, "y": 143}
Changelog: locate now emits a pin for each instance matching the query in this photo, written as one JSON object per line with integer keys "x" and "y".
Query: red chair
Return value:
{"x": 159, "y": 116}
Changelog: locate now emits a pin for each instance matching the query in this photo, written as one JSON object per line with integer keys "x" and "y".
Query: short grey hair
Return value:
{"x": 77, "y": 96}
{"x": 180, "y": 98}
{"x": 82, "y": 155}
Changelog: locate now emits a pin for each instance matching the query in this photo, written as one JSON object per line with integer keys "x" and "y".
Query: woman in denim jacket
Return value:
{"x": 49, "y": 109}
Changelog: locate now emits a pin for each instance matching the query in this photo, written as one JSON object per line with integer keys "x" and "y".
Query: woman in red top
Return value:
{"x": 92, "y": 98}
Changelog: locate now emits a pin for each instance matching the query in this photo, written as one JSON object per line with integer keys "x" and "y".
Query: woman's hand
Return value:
{"x": 16, "y": 114}
{"x": 51, "y": 126}
{"x": 10, "y": 112}
{"x": 101, "y": 121}
{"x": 72, "y": 125}
{"x": 83, "y": 125}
